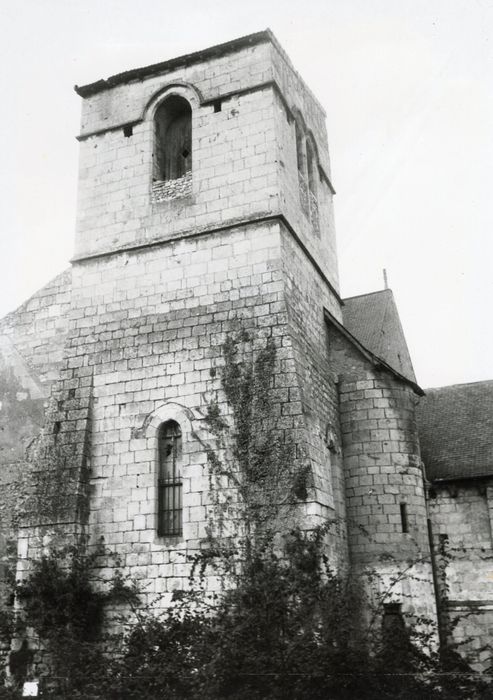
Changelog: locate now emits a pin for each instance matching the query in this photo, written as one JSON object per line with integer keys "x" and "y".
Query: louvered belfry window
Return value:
{"x": 170, "y": 521}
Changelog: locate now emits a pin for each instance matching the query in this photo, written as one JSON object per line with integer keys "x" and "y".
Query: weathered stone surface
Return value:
{"x": 133, "y": 335}
{"x": 31, "y": 350}
{"x": 146, "y": 326}
{"x": 386, "y": 508}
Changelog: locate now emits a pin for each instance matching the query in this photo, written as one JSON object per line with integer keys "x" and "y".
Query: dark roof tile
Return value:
{"x": 455, "y": 425}
{"x": 374, "y": 320}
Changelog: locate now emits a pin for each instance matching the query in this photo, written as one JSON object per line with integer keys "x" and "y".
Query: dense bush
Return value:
{"x": 62, "y": 603}
{"x": 289, "y": 628}
{"x": 283, "y": 625}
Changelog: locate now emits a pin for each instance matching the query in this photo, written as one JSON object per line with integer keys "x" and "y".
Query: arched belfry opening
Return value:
{"x": 313, "y": 179}
{"x": 172, "y": 139}
{"x": 311, "y": 168}
{"x": 308, "y": 175}
{"x": 300, "y": 152}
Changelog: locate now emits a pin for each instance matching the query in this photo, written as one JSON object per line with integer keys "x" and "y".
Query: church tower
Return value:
{"x": 205, "y": 213}
{"x": 204, "y": 208}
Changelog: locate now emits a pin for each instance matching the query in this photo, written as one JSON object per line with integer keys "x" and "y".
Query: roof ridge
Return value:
{"x": 381, "y": 334}
{"x": 453, "y": 386}
{"x": 368, "y": 294}
{"x": 376, "y": 360}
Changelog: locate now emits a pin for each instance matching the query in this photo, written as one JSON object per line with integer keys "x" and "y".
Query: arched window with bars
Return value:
{"x": 170, "y": 509}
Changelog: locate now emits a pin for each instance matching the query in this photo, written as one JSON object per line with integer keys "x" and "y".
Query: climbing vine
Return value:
{"x": 62, "y": 616}
{"x": 284, "y": 624}
{"x": 281, "y": 625}
{"x": 255, "y": 461}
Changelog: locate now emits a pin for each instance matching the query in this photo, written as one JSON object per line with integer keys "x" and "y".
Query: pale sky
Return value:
{"x": 408, "y": 90}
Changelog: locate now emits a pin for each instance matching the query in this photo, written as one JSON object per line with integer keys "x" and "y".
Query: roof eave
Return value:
{"x": 456, "y": 477}
{"x": 187, "y": 59}
{"x": 376, "y": 361}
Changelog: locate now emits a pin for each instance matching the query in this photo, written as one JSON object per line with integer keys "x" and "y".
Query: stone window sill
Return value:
{"x": 165, "y": 190}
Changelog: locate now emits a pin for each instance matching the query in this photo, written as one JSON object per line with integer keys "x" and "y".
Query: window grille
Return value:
{"x": 169, "y": 480}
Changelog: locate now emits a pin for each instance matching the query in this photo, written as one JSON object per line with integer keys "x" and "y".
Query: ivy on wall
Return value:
{"x": 282, "y": 625}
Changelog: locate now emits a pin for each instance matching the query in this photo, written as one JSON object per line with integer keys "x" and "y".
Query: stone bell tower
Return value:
{"x": 204, "y": 206}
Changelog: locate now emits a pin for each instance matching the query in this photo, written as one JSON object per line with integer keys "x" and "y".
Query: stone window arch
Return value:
{"x": 172, "y": 157}
{"x": 300, "y": 139}
{"x": 193, "y": 441}
{"x": 313, "y": 179}
{"x": 311, "y": 166}
{"x": 300, "y": 148}
{"x": 308, "y": 172}
{"x": 170, "y": 485}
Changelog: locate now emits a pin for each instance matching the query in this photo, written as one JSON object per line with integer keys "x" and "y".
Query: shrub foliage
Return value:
{"x": 283, "y": 624}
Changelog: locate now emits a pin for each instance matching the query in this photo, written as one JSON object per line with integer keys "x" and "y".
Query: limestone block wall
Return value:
{"x": 32, "y": 336}
{"x": 304, "y": 106}
{"x": 214, "y": 76}
{"x": 383, "y": 468}
{"x": 234, "y": 175}
{"x": 386, "y": 508}
{"x": 321, "y": 243}
{"x": 462, "y": 512}
{"x": 300, "y": 97}
{"x": 243, "y": 154}
{"x": 163, "y": 272}
{"x": 31, "y": 349}
{"x": 461, "y": 517}
{"x": 315, "y": 396}
{"x": 147, "y": 329}
{"x": 472, "y": 631}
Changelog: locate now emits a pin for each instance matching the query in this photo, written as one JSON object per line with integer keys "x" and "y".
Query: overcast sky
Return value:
{"x": 408, "y": 90}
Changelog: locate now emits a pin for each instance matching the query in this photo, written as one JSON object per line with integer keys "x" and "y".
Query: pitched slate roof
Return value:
{"x": 377, "y": 362}
{"x": 455, "y": 425}
{"x": 374, "y": 320}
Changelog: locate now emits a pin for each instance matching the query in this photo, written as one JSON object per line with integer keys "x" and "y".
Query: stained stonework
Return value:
{"x": 132, "y": 336}
{"x": 385, "y": 495}
{"x": 455, "y": 425}
{"x": 172, "y": 189}
{"x": 31, "y": 351}
{"x": 461, "y": 521}
{"x": 163, "y": 274}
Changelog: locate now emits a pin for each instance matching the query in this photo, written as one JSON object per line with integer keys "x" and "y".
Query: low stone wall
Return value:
{"x": 172, "y": 189}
